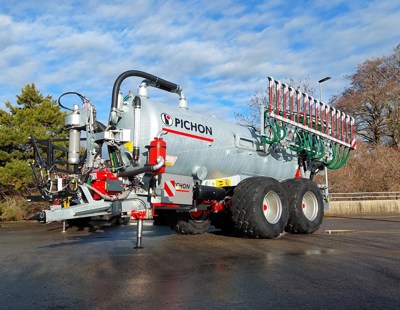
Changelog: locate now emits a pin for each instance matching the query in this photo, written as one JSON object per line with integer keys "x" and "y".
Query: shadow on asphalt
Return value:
{"x": 92, "y": 234}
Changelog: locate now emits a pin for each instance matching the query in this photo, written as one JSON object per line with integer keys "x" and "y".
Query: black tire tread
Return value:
{"x": 187, "y": 226}
{"x": 245, "y": 204}
{"x": 297, "y": 223}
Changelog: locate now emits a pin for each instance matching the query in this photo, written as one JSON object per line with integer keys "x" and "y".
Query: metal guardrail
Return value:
{"x": 364, "y": 196}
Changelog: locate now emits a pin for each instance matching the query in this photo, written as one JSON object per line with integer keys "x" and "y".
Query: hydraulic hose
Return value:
{"x": 342, "y": 155}
{"x": 127, "y": 174}
{"x": 278, "y": 131}
{"x": 159, "y": 83}
{"x": 297, "y": 144}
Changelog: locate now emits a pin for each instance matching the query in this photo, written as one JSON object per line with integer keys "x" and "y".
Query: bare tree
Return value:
{"x": 252, "y": 116}
{"x": 374, "y": 99}
{"x": 392, "y": 62}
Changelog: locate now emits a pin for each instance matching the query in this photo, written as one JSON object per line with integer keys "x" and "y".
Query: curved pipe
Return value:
{"x": 159, "y": 83}
{"x": 127, "y": 174}
{"x": 105, "y": 197}
{"x": 160, "y": 163}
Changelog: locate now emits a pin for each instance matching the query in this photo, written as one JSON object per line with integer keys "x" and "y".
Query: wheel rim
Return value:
{"x": 310, "y": 206}
{"x": 272, "y": 207}
{"x": 198, "y": 216}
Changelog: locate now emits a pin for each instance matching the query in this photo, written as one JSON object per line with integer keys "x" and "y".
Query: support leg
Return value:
{"x": 139, "y": 234}
{"x": 139, "y": 215}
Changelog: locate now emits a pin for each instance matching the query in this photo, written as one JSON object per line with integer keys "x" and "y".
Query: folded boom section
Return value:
{"x": 305, "y": 124}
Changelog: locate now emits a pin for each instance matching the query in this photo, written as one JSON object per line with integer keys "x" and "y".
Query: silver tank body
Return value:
{"x": 206, "y": 147}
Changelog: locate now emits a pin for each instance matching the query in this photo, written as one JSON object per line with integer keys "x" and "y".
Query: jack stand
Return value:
{"x": 139, "y": 215}
{"x": 139, "y": 234}
{"x": 64, "y": 222}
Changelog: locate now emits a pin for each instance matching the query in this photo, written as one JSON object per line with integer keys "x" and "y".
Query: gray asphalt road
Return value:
{"x": 356, "y": 268}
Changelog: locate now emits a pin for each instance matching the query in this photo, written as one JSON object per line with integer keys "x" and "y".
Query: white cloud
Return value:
{"x": 219, "y": 51}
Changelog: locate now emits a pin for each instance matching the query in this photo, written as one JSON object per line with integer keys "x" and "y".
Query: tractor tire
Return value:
{"x": 306, "y": 206}
{"x": 260, "y": 207}
{"x": 223, "y": 221}
{"x": 116, "y": 220}
{"x": 165, "y": 218}
{"x": 191, "y": 223}
{"x": 81, "y": 222}
{"x": 125, "y": 220}
{"x": 159, "y": 218}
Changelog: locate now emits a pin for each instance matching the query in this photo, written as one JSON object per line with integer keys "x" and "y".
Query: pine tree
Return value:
{"x": 33, "y": 115}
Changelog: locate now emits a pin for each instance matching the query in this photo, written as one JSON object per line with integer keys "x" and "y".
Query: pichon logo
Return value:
{"x": 167, "y": 119}
{"x": 182, "y": 187}
{"x": 171, "y": 187}
{"x": 185, "y": 124}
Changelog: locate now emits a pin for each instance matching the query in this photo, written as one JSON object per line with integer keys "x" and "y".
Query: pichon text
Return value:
{"x": 182, "y": 186}
{"x": 184, "y": 124}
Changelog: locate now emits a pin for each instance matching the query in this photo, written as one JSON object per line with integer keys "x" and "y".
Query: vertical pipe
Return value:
{"x": 347, "y": 129}
{"x": 343, "y": 127}
{"x": 328, "y": 119}
{"x": 353, "y": 141}
{"x": 316, "y": 102}
{"x": 305, "y": 103}
{"x": 326, "y": 183}
{"x": 278, "y": 97}
{"x": 136, "y": 134}
{"x": 291, "y": 100}
{"x": 310, "y": 110}
{"x": 285, "y": 97}
{"x": 323, "y": 111}
{"x": 333, "y": 113}
{"x": 298, "y": 98}
{"x": 271, "y": 94}
{"x": 352, "y": 128}
{"x": 326, "y": 123}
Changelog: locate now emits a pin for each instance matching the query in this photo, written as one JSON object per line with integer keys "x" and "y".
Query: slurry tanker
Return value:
{"x": 190, "y": 170}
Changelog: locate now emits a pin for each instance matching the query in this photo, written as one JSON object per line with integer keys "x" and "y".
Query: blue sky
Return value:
{"x": 219, "y": 51}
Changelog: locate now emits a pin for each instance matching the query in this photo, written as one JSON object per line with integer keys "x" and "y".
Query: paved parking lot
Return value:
{"x": 350, "y": 263}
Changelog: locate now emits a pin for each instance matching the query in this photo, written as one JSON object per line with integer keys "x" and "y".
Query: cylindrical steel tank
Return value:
{"x": 205, "y": 147}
